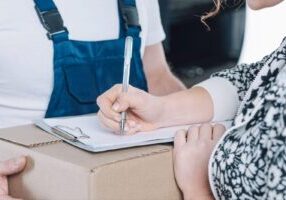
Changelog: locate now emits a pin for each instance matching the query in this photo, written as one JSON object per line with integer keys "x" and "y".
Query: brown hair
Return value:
{"x": 217, "y": 6}
{"x": 212, "y": 13}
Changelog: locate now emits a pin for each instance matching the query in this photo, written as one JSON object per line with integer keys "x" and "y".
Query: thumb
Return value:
{"x": 12, "y": 166}
{"x": 127, "y": 101}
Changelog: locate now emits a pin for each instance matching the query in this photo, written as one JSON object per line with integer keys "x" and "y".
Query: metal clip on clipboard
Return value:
{"x": 67, "y": 133}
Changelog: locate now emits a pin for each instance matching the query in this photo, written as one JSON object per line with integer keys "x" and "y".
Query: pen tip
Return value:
{"x": 122, "y": 127}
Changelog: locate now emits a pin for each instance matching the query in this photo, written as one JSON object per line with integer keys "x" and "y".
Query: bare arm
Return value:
{"x": 160, "y": 79}
{"x": 187, "y": 107}
{"x": 148, "y": 112}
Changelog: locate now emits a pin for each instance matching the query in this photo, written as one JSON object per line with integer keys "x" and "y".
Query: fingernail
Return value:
{"x": 115, "y": 106}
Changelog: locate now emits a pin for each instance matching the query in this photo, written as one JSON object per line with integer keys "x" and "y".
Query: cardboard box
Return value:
{"x": 57, "y": 170}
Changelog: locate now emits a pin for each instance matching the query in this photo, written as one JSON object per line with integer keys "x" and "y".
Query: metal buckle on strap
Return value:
{"x": 52, "y": 21}
{"x": 130, "y": 14}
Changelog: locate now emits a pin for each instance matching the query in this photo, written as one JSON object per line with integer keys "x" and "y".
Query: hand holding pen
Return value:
{"x": 143, "y": 109}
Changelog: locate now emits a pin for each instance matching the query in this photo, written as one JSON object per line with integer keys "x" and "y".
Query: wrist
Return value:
{"x": 163, "y": 115}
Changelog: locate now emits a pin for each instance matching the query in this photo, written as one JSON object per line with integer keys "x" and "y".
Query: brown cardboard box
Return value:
{"x": 59, "y": 171}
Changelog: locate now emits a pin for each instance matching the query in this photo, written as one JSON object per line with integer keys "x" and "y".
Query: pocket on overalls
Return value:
{"x": 85, "y": 82}
{"x": 109, "y": 71}
{"x": 81, "y": 82}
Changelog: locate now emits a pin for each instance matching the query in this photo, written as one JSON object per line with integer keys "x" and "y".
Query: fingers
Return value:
{"x": 193, "y": 133}
{"x": 131, "y": 127}
{"x": 218, "y": 131}
{"x": 109, "y": 123}
{"x": 180, "y": 139}
{"x": 131, "y": 100}
{"x": 3, "y": 186}
{"x": 12, "y": 166}
{"x": 106, "y": 101}
{"x": 134, "y": 129}
{"x": 206, "y": 132}
{"x": 113, "y": 101}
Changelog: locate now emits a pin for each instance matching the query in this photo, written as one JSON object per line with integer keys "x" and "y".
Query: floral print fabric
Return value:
{"x": 250, "y": 160}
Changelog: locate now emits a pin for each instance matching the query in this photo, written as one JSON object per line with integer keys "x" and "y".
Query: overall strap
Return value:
{"x": 130, "y": 25}
{"x": 51, "y": 20}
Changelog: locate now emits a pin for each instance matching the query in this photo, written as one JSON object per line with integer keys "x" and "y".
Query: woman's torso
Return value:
{"x": 250, "y": 161}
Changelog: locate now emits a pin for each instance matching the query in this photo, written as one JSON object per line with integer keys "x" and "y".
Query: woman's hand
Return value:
{"x": 7, "y": 168}
{"x": 192, "y": 150}
{"x": 146, "y": 112}
{"x": 143, "y": 114}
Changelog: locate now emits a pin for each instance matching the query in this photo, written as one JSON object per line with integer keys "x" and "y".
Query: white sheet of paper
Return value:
{"x": 103, "y": 138}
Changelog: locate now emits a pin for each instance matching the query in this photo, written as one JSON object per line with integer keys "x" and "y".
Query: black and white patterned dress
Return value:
{"x": 249, "y": 162}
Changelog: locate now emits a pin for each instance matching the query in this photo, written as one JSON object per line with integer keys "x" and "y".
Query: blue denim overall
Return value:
{"x": 84, "y": 70}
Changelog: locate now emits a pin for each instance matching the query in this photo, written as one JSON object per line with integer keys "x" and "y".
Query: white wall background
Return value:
{"x": 264, "y": 31}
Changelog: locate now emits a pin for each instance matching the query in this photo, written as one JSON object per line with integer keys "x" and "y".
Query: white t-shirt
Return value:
{"x": 26, "y": 55}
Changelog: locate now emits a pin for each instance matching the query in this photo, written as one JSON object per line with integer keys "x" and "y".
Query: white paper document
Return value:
{"x": 92, "y": 136}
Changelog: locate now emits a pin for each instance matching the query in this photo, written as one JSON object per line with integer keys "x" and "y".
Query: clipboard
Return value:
{"x": 76, "y": 141}
{"x": 86, "y": 133}
{"x": 68, "y": 138}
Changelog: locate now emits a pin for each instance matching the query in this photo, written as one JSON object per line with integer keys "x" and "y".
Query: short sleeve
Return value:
{"x": 155, "y": 32}
{"x": 228, "y": 88}
{"x": 242, "y": 76}
{"x": 224, "y": 96}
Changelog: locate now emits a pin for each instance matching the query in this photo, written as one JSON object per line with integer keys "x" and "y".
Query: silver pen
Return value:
{"x": 126, "y": 74}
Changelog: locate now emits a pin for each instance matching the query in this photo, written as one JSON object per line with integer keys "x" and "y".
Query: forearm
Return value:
{"x": 186, "y": 107}
{"x": 160, "y": 79}
{"x": 164, "y": 82}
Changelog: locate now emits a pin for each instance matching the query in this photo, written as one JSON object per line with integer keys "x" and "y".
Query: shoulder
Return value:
{"x": 150, "y": 8}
